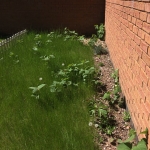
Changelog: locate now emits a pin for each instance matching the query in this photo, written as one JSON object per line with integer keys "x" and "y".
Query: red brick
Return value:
{"x": 146, "y": 110}
{"x": 137, "y": 39}
{"x": 144, "y": 77}
{"x": 133, "y": 63}
{"x": 135, "y": 55}
{"x": 148, "y": 18}
{"x": 143, "y": 16}
{"x": 141, "y": 6}
{"x": 146, "y": 91}
{"x": 142, "y": 64}
{"x": 139, "y": 51}
{"x": 125, "y": 22}
{"x": 130, "y": 33}
{"x": 123, "y": 27}
{"x": 130, "y": 25}
{"x": 135, "y": 29}
{"x": 125, "y": 16}
{"x": 149, "y": 84}
{"x": 136, "y": 69}
{"x": 146, "y": 27}
{"x": 128, "y": 10}
{"x": 141, "y": 34}
{"x": 144, "y": 46}
{"x": 149, "y": 50}
{"x": 132, "y": 12}
{"x": 137, "y": 14}
{"x": 141, "y": 92}
{"x": 148, "y": 71}
{"x": 133, "y": 20}
{"x": 139, "y": 23}
{"x": 146, "y": 59}
{"x": 129, "y": 18}
{"x": 147, "y": 38}
{"x": 147, "y": 7}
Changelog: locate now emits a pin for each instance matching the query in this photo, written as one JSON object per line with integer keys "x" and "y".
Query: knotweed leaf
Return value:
{"x": 35, "y": 89}
{"x": 106, "y": 96}
{"x": 130, "y": 139}
{"x": 35, "y": 48}
{"x": 41, "y": 86}
{"x": 102, "y": 112}
{"x": 124, "y": 146}
{"x": 141, "y": 145}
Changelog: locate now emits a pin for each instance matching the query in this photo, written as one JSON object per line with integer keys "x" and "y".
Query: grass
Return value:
{"x": 55, "y": 121}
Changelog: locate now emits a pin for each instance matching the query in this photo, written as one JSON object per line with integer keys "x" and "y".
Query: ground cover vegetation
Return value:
{"x": 45, "y": 81}
{"x": 53, "y": 95}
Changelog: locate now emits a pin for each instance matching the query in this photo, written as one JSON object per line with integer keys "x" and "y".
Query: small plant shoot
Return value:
{"x": 128, "y": 145}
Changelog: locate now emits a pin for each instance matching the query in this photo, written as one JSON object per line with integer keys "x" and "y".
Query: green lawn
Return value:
{"x": 47, "y": 120}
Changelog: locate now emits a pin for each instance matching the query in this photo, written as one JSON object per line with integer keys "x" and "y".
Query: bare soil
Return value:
{"x": 121, "y": 131}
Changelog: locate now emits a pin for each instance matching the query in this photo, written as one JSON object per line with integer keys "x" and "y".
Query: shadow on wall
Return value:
{"x": 80, "y": 16}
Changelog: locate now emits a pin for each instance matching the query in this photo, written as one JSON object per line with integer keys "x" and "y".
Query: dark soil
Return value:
{"x": 102, "y": 140}
{"x": 121, "y": 127}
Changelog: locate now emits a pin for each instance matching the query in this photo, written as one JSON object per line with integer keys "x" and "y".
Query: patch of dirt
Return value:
{"x": 121, "y": 127}
{"x": 121, "y": 131}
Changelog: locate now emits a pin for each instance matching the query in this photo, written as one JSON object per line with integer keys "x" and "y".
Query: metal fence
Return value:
{"x": 5, "y": 44}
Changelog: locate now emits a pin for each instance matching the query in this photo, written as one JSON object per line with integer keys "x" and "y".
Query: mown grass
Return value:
{"x": 55, "y": 121}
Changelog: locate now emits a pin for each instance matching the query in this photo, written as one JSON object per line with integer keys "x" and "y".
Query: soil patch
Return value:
{"x": 121, "y": 130}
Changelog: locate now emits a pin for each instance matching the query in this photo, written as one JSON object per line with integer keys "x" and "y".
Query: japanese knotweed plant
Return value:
{"x": 128, "y": 144}
{"x": 101, "y": 117}
{"x": 68, "y": 34}
{"x": 47, "y": 57}
{"x": 15, "y": 58}
{"x": 36, "y": 90}
{"x": 114, "y": 95}
{"x": 39, "y": 41}
{"x": 72, "y": 76}
{"x": 126, "y": 116}
{"x": 100, "y": 31}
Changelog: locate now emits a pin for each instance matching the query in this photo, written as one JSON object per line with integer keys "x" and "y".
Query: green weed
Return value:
{"x": 128, "y": 145}
{"x": 54, "y": 120}
{"x": 126, "y": 116}
{"x": 100, "y": 31}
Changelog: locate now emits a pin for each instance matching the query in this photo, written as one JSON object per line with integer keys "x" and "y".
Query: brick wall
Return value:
{"x": 79, "y": 15}
{"x": 128, "y": 38}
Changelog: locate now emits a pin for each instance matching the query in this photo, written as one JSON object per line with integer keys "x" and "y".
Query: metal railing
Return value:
{"x": 5, "y": 44}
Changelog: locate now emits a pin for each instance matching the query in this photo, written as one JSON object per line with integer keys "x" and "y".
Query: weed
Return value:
{"x": 126, "y": 116}
{"x": 99, "y": 50}
{"x": 109, "y": 130}
{"x": 72, "y": 75}
{"x": 113, "y": 96}
{"x": 115, "y": 75}
{"x": 45, "y": 60}
{"x": 101, "y": 64}
{"x": 121, "y": 102}
{"x": 104, "y": 119}
{"x": 93, "y": 40}
{"x": 128, "y": 145}
{"x": 69, "y": 34}
{"x": 36, "y": 91}
{"x": 107, "y": 96}
{"x": 100, "y": 31}
{"x": 101, "y": 140}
